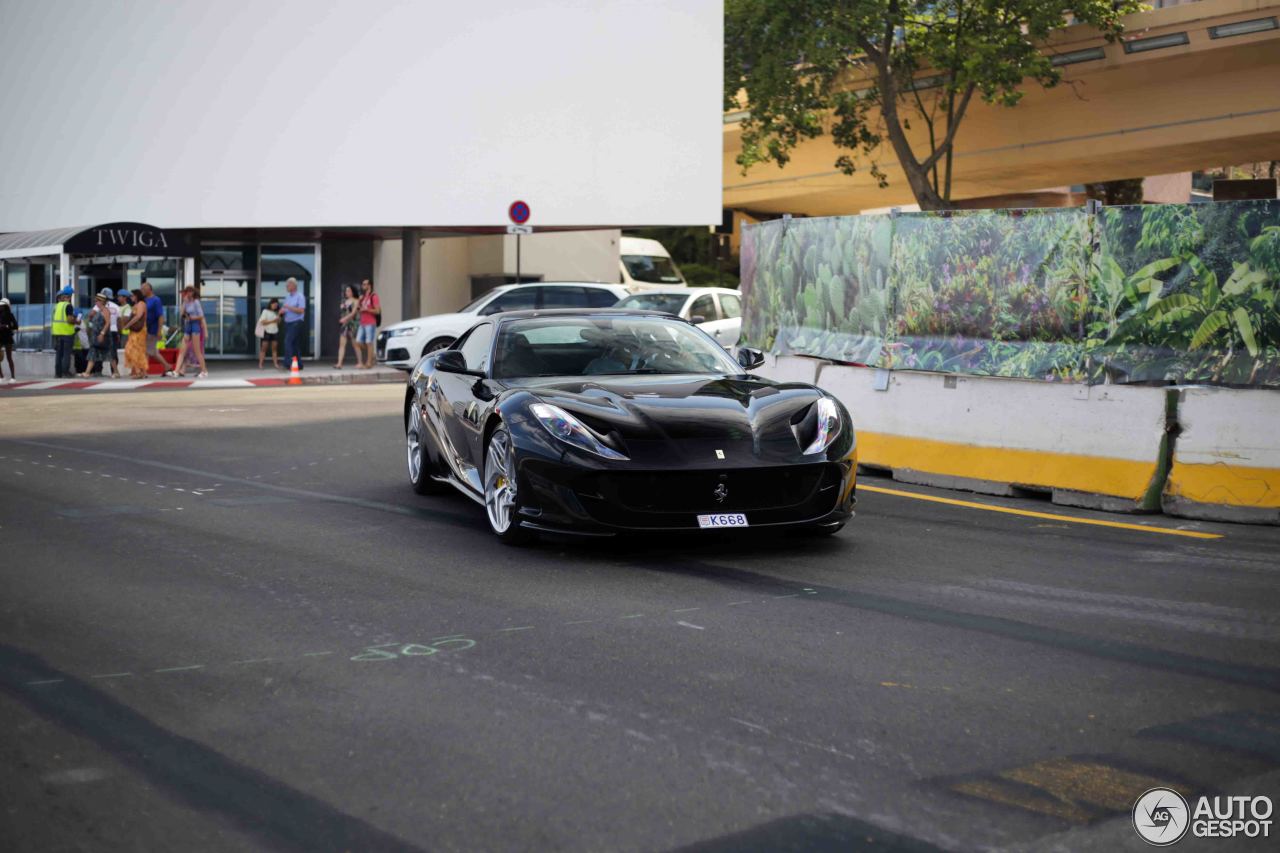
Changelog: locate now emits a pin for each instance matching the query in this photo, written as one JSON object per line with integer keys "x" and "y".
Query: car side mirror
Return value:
{"x": 697, "y": 318}
{"x": 750, "y": 358}
{"x": 452, "y": 361}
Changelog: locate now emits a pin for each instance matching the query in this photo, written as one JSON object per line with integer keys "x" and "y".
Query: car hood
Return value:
{"x": 690, "y": 417}
{"x": 434, "y": 321}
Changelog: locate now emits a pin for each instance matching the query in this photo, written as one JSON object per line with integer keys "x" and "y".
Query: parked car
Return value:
{"x": 646, "y": 264}
{"x": 600, "y": 422}
{"x": 716, "y": 310}
{"x": 402, "y": 344}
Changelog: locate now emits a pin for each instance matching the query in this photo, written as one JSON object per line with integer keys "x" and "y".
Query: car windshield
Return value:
{"x": 606, "y": 345}
{"x": 671, "y": 303}
{"x": 652, "y": 269}
{"x": 471, "y": 306}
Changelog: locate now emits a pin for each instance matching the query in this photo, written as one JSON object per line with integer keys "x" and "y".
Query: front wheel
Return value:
{"x": 501, "y": 503}
{"x": 416, "y": 454}
{"x": 437, "y": 344}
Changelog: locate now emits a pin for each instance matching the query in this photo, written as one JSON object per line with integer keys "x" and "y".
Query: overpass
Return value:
{"x": 1191, "y": 86}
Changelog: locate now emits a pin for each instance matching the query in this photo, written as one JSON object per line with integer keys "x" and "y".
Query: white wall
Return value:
{"x": 566, "y": 255}
{"x": 446, "y": 274}
{"x": 265, "y": 113}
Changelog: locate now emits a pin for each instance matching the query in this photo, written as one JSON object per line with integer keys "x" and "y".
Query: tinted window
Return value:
{"x": 519, "y": 299}
{"x": 670, "y": 303}
{"x": 730, "y": 306}
{"x": 703, "y": 307}
{"x": 563, "y": 297}
{"x": 600, "y": 298}
{"x": 475, "y": 349}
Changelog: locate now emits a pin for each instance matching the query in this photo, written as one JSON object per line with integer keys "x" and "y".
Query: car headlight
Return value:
{"x": 400, "y": 333}
{"x": 828, "y": 425}
{"x": 570, "y": 430}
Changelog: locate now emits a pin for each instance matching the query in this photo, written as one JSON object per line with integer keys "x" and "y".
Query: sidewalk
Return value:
{"x": 222, "y": 374}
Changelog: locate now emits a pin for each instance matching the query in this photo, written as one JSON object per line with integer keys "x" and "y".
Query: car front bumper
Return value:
{"x": 572, "y": 499}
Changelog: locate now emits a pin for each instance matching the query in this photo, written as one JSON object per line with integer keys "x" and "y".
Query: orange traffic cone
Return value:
{"x": 295, "y": 373}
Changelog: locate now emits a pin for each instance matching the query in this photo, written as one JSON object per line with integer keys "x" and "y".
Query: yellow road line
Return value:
{"x": 1194, "y": 534}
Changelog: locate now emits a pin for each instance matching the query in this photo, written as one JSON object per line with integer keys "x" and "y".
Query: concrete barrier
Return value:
{"x": 791, "y": 368}
{"x": 1100, "y": 447}
{"x": 1226, "y": 457}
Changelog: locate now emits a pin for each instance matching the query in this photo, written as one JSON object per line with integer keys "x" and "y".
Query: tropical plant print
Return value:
{"x": 1156, "y": 293}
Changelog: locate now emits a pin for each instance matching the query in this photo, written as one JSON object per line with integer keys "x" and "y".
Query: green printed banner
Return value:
{"x": 1184, "y": 293}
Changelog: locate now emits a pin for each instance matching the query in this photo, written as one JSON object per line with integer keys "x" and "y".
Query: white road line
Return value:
{"x": 47, "y": 681}
{"x": 180, "y": 668}
{"x": 736, "y": 603}
{"x": 686, "y": 610}
{"x": 632, "y": 616}
{"x": 316, "y": 654}
{"x": 581, "y": 621}
{"x": 749, "y": 725}
{"x": 691, "y": 625}
{"x": 113, "y": 675}
{"x": 521, "y": 628}
{"x": 251, "y": 660}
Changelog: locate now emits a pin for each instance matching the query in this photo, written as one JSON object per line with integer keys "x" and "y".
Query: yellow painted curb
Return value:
{"x": 1100, "y": 475}
{"x": 1226, "y": 485}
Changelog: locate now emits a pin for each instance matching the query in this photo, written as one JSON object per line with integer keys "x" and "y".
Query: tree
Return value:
{"x": 863, "y": 70}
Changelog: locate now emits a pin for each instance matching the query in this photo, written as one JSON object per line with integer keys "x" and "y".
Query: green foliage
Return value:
{"x": 1184, "y": 293}
{"x": 801, "y": 66}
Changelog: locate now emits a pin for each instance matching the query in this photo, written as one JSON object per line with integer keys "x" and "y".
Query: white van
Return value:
{"x": 646, "y": 264}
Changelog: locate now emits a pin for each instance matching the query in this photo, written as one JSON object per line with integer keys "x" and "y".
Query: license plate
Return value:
{"x": 727, "y": 519}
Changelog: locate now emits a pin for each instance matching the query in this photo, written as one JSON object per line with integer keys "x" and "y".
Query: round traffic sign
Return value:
{"x": 519, "y": 212}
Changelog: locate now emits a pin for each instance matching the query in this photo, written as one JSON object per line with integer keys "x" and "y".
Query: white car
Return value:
{"x": 404, "y": 343}
{"x": 717, "y": 310}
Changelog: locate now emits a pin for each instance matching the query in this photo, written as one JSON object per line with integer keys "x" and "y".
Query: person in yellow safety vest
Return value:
{"x": 65, "y": 319}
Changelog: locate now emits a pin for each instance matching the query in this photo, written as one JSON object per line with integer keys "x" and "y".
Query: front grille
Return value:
{"x": 674, "y": 499}
{"x": 711, "y": 491}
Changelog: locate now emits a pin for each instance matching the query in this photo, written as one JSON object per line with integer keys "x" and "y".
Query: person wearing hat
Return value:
{"x": 106, "y": 302}
{"x": 8, "y": 329}
{"x": 99, "y": 334}
{"x": 64, "y": 323}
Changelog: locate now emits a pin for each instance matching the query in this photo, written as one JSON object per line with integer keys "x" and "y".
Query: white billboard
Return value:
{"x": 275, "y": 113}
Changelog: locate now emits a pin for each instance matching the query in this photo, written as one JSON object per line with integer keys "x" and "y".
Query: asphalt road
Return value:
{"x": 227, "y": 623}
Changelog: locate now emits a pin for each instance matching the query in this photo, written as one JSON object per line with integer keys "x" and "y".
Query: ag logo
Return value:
{"x": 1161, "y": 817}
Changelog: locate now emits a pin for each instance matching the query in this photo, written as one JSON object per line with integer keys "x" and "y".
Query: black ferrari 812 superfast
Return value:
{"x": 604, "y": 422}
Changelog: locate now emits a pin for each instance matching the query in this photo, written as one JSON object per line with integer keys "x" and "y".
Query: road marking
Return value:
{"x": 736, "y": 603}
{"x": 686, "y": 610}
{"x": 316, "y": 654}
{"x": 581, "y": 621}
{"x": 113, "y": 675}
{"x": 180, "y": 668}
{"x": 521, "y": 628}
{"x": 47, "y": 681}
{"x": 1145, "y": 528}
{"x": 691, "y": 625}
{"x": 251, "y": 660}
{"x": 632, "y": 616}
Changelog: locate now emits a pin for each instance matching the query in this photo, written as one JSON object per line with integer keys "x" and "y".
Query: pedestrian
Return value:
{"x": 8, "y": 330}
{"x": 112, "y": 312}
{"x": 193, "y": 332}
{"x": 370, "y": 317}
{"x": 135, "y": 348}
{"x": 295, "y": 327}
{"x": 348, "y": 325}
{"x": 269, "y": 332}
{"x": 64, "y": 332}
{"x": 124, "y": 300}
{"x": 154, "y": 310}
{"x": 99, "y": 332}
